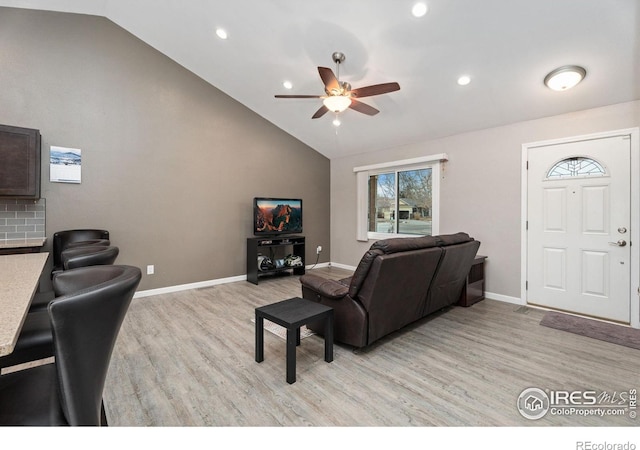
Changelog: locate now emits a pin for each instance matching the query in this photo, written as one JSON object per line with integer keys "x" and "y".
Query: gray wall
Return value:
{"x": 169, "y": 163}
{"x": 480, "y": 186}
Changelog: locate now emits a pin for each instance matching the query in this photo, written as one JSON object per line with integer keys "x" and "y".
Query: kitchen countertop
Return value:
{"x": 21, "y": 243}
{"x": 19, "y": 278}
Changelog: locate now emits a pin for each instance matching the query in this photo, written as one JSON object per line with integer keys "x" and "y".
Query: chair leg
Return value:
{"x": 103, "y": 416}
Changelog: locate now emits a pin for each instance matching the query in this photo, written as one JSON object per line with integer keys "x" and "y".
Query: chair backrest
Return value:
{"x": 62, "y": 239}
{"x": 85, "y": 327}
{"x": 92, "y": 255}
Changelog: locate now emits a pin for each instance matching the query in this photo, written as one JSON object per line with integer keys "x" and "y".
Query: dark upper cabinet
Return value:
{"x": 19, "y": 162}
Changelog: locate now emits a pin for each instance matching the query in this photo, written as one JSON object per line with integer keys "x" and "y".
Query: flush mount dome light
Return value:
{"x": 564, "y": 77}
{"x": 337, "y": 103}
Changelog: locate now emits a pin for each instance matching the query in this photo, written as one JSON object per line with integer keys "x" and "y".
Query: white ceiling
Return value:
{"x": 506, "y": 46}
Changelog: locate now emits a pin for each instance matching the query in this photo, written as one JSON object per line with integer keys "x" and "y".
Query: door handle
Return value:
{"x": 620, "y": 243}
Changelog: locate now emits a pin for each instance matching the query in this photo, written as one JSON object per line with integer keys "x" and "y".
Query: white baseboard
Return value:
{"x": 186, "y": 287}
{"x": 342, "y": 266}
{"x": 203, "y": 284}
{"x": 209, "y": 283}
{"x": 317, "y": 266}
{"x": 504, "y": 298}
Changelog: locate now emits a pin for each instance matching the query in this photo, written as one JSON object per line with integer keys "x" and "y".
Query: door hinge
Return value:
{"x": 527, "y": 165}
{"x": 527, "y": 225}
{"x": 526, "y": 286}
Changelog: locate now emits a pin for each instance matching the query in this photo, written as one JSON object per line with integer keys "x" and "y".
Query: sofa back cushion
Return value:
{"x": 451, "y": 275}
{"x": 395, "y": 289}
{"x": 395, "y": 245}
{"x": 386, "y": 247}
{"x": 452, "y": 239}
{"x": 362, "y": 271}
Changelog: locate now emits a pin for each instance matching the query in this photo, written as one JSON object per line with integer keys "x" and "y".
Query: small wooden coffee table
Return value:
{"x": 292, "y": 314}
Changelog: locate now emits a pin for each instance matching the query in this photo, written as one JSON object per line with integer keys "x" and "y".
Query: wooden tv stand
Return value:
{"x": 276, "y": 247}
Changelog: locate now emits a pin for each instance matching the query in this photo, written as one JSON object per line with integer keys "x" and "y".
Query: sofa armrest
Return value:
{"x": 327, "y": 288}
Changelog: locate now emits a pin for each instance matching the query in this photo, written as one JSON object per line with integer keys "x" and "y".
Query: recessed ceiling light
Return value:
{"x": 565, "y": 77}
{"x": 419, "y": 9}
{"x": 222, "y": 34}
{"x": 464, "y": 80}
{"x": 287, "y": 84}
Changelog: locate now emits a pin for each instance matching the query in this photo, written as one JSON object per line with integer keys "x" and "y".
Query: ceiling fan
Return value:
{"x": 339, "y": 95}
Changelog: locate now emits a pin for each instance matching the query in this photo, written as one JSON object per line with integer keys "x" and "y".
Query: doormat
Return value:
{"x": 604, "y": 331}
{"x": 281, "y": 332}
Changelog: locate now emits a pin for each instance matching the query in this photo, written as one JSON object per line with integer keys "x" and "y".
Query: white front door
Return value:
{"x": 578, "y": 230}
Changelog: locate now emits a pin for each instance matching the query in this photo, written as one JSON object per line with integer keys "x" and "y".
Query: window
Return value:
{"x": 576, "y": 167}
{"x": 401, "y": 202}
{"x": 399, "y": 198}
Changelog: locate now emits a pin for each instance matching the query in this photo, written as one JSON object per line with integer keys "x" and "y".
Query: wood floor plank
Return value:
{"x": 187, "y": 359}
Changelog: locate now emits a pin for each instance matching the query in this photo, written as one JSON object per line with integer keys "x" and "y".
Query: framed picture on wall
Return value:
{"x": 65, "y": 165}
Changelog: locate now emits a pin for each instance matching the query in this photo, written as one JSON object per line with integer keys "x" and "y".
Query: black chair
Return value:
{"x": 91, "y": 255}
{"x": 70, "y": 238}
{"x": 72, "y": 258}
{"x": 35, "y": 341}
{"x": 85, "y": 326}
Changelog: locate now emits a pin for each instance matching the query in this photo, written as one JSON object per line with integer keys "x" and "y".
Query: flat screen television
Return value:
{"x": 274, "y": 216}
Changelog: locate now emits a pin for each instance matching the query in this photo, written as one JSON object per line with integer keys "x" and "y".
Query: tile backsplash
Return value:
{"x": 22, "y": 219}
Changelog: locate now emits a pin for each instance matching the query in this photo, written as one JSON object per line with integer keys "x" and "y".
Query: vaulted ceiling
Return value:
{"x": 506, "y": 47}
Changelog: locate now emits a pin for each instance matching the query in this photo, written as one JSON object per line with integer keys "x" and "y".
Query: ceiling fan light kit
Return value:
{"x": 564, "y": 77}
{"x": 339, "y": 95}
{"x": 337, "y": 103}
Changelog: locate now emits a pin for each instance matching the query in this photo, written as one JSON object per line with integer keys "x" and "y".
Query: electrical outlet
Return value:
{"x": 318, "y": 249}
{"x": 150, "y": 269}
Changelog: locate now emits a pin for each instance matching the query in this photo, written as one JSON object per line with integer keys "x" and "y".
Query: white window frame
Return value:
{"x": 363, "y": 173}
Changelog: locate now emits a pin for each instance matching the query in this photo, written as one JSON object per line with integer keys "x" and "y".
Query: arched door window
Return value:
{"x": 576, "y": 166}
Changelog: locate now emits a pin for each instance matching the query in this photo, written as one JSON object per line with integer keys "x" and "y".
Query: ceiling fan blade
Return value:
{"x": 321, "y": 112}
{"x": 375, "y": 89}
{"x": 329, "y": 79}
{"x": 298, "y": 96}
{"x": 363, "y": 108}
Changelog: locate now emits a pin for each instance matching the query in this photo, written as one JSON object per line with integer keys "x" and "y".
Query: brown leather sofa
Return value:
{"x": 397, "y": 282}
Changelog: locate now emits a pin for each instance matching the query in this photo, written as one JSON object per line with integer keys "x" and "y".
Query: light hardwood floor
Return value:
{"x": 187, "y": 359}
